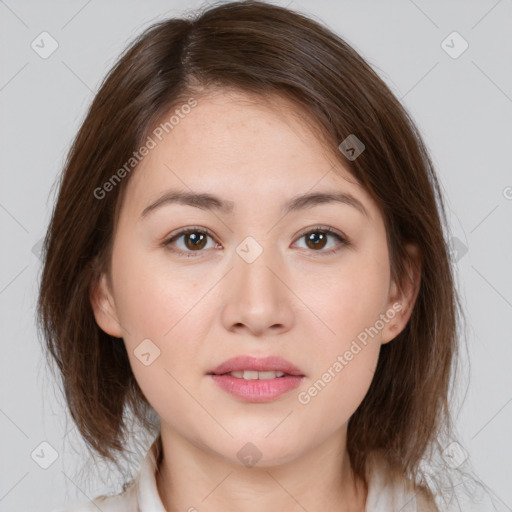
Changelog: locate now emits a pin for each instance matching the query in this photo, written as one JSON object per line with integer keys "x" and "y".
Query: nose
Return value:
{"x": 255, "y": 295}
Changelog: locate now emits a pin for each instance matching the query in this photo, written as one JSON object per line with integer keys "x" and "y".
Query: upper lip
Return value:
{"x": 259, "y": 364}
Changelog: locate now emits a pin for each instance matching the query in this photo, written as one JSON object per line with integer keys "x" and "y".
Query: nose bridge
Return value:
{"x": 255, "y": 296}
{"x": 256, "y": 264}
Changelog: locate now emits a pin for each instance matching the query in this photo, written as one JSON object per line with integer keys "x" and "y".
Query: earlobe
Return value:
{"x": 398, "y": 316}
{"x": 402, "y": 299}
{"x": 103, "y": 306}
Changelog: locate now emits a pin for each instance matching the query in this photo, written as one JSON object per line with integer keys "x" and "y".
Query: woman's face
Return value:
{"x": 256, "y": 278}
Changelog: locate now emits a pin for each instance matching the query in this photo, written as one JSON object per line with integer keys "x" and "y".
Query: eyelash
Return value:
{"x": 193, "y": 229}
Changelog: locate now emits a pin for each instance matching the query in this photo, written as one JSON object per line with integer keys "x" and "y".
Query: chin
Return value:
{"x": 258, "y": 451}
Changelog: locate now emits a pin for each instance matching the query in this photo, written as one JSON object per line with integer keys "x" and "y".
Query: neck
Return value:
{"x": 321, "y": 479}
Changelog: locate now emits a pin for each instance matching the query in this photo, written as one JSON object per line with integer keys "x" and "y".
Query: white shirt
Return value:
{"x": 142, "y": 493}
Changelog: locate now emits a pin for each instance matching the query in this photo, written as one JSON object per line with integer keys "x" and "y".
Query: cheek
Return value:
{"x": 151, "y": 300}
{"x": 350, "y": 296}
{"x": 153, "y": 303}
{"x": 350, "y": 305}
{"x": 343, "y": 373}
{"x": 159, "y": 312}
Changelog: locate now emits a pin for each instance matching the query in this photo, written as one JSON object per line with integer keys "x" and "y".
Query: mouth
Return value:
{"x": 252, "y": 368}
{"x": 254, "y": 375}
{"x": 253, "y": 379}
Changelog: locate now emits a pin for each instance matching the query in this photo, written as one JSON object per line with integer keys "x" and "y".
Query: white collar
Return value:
{"x": 148, "y": 498}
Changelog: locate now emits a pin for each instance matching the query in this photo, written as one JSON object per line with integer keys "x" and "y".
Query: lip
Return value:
{"x": 259, "y": 364}
{"x": 257, "y": 390}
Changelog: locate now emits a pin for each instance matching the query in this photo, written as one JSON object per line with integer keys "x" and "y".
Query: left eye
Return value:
{"x": 195, "y": 240}
{"x": 316, "y": 239}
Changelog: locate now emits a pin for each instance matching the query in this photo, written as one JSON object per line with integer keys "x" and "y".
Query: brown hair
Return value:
{"x": 265, "y": 50}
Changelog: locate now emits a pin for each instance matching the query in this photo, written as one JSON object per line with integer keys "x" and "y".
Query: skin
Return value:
{"x": 293, "y": 301}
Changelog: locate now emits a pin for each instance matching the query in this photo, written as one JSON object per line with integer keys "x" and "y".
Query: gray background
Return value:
{"x": 463, "y": 107}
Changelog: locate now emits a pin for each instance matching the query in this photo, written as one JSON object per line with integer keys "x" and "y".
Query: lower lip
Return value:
{"x": 257, "y": 390}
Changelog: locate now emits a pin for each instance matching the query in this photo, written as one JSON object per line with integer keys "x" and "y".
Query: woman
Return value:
{"x": 248, "y": 244}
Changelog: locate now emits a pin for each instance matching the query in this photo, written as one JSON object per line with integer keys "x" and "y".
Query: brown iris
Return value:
{"x": 197, "y": 239}
{"x": 317, "y": 238}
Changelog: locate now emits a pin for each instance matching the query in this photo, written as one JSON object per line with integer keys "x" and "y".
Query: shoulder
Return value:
{"x": 123, "y": 502}
{"x": 141, "y": 493}
{"x": 389, "y": 491}
{"x": 456, "y": 491}
{"x": 425, "y": 502}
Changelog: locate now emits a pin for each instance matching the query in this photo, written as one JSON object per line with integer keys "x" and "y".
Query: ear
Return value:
{"x": 402, "y": 298}
{"x": 103, "y": 305}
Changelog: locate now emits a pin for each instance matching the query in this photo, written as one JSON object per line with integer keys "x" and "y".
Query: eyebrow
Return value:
{"x": 206, "y": 201}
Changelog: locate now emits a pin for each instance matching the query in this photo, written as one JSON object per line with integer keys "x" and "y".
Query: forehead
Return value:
{"x": 238, "y": 128}
{"x": 243, "y": 148}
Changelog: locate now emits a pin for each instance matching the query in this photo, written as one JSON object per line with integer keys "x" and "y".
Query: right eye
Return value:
{"x": 194, "y": 240}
